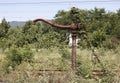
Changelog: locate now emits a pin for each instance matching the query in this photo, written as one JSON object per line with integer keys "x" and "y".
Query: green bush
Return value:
{"x": 98, "y": 38}
{"x": 15, "y": 56}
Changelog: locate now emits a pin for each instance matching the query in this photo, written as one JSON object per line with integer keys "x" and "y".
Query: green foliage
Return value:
{"x": 65, "y": 53}
{"x": 3, "y": 43}
{"x": 27, "y": 26}
{"x": 4, "y": 27}
{"x": 15, "y": 56}
{"x": 15, "y": 37}
{"x": 63, "y": 17}
{"x": 98, "y": 38}
{"x": 83, "y": 69}
{"x": 100, "y": 25}
{"x": 74, "y": 14}
{"x": 30, "y": 32}
{"x": 116, "y": 30}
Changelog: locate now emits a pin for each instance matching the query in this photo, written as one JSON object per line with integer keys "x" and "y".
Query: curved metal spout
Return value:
{"x": 72, "y": 26}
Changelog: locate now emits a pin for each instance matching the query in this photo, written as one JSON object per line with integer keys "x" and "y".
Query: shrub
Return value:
{"x": 15, "y": 56}
{"x": 98, "y": 38}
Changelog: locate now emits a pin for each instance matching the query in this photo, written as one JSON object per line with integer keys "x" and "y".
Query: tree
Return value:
{"x": 27, "y": 26}
{"x": 4, "y": 27}
{"x": 30, "y": 32}
{"x": 15, "y": 37}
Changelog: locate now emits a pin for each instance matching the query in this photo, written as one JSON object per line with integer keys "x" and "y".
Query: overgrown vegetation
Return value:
{"x": 16, "y": 56}
{"x": 37, "y": 46}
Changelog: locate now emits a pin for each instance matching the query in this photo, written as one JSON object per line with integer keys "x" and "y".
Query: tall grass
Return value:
{"x": 52, "y": 59}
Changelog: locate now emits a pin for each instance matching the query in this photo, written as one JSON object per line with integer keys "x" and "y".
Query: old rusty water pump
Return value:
{"x": 73, "y": 27}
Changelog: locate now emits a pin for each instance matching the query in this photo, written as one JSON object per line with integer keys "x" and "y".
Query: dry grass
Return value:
{"x": 51, "y": 59}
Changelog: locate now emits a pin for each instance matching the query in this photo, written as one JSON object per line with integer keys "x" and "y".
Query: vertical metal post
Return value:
{"x": 73, "y": 50}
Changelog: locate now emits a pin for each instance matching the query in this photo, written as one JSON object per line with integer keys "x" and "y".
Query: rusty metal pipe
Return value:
{"x": 73, "y": 59}
{"x": 72, "y": 26}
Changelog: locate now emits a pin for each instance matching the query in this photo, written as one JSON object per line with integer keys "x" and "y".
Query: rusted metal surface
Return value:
{"x": 74, "y": 50}
{"x": 51, "y": 71}
{"x": 72, "y": 27}
{"x": 97, "y": 72}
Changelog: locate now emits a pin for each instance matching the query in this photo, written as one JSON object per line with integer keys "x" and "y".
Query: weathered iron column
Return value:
{"x": 73, "y": 59}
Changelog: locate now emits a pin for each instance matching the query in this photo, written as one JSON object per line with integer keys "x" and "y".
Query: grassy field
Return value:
{"x": 57, "y": 59}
